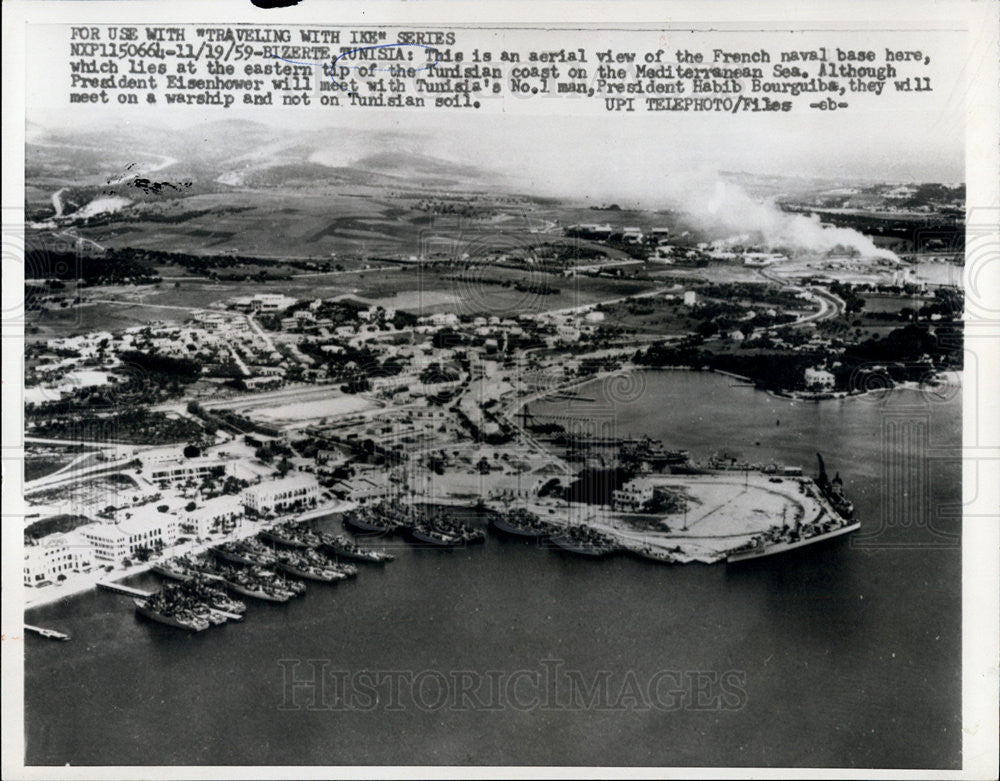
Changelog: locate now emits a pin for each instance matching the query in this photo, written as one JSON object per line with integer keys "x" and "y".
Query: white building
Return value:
{"x": 286, "y": 493}
{"x": 220, "y": 512}
{"x": 180, "y": 471}
{"x": 690, "y": 298}
{"x": 264, "y": 302}
{"x": 633, "y": 495}
{"x": 114, "y": 542}
{"x": 815, "y": 375}
{"x": 55, "y": 555}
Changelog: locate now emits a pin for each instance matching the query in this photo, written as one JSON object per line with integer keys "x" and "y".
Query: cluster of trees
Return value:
{"x": 848, "y": 295}
{"x": 666, "y": 500}
{"x": 907, "y": 353}
{"x": 757, "y": 292}
{"x": 208, "y": 265}
{"x": 107, "y": 269}
{"x": 138, "y": 426}
{"x": 162, "y": 367}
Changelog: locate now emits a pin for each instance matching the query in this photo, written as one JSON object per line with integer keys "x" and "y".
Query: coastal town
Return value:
{"x": 164, "y": 440}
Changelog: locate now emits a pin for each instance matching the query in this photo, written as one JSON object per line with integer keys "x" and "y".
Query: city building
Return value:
{"x": 817, "y": 376}
{"x": 633, "y": 495}
{"x": 56, "y": 555}
{"x": 263, "y": 302}
{"x": 180, "y": 471}
{"x": 115, "y": 542}
{"x": 286, "y": 493}
{"x": 221, "y": 513}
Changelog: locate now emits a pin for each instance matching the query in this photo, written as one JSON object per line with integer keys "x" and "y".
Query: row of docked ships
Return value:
{"x": 437, "y": 529}
{"x": 434, "y": 528}
{"x": 419, "y": 524}
{"x": 249, "y": 568}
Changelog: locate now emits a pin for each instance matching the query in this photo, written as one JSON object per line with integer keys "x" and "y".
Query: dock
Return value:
{"x": 227, "y": 614}
{"x": 52, "y": 634}
{"x": 118, "y": 588}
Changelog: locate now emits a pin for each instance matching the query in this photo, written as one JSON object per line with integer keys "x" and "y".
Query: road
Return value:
{"x": 830, "y": 306}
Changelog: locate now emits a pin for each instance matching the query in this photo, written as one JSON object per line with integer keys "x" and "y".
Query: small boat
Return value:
{"x": 163, "y": 613}
{"x": 370, "y": 524}
{"x": 216, "y": 598}
{"x": 301, "y": 567}
{"x": 288, "y": 535}
{"x": 183, "y": 569}
{"x": 521, "y": 523}
{"x": 248, "y": 552}
{"x": 51, "y": 634}
{"x": 254, "y": 583}
{"x": 276, "y": 535}
{"x": 654, "y": 554}
{"x": 424, "y": 532}
{"x": 341, "y": 546}
{"x": 585, "y": 541}
{"x": 760, "y": 546}
{"x": 293, "y": 587}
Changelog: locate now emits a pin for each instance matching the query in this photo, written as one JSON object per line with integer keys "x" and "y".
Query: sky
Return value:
{"x": 564, "y": 146}
{"x": 634, "y": 155}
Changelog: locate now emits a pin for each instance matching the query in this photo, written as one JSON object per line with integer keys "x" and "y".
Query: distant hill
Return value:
{"x": 241, "y": 152}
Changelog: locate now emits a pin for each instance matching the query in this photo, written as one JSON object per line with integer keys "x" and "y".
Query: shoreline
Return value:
{"x": 84, "y": 582}
{"x": 944, "y": 376}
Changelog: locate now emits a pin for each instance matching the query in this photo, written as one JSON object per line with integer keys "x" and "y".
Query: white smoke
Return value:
{"x": 729, "y": 210}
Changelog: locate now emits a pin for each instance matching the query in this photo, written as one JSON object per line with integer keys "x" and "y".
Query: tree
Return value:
{"x": 264, "y": 454}
{"x": 190, "y": 507}
{"x": 191, "y": 451}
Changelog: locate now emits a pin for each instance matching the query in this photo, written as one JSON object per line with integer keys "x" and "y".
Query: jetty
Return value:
{"x": 52, "y": 634}
{"x": 128, "y": 591}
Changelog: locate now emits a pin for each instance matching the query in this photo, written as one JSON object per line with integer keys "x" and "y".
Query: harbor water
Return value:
{"x": 843, "y": 654}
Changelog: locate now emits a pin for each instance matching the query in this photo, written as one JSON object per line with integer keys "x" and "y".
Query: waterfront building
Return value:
{"x": 818, "y": 376}
{"x": 221, "y": 512}
{"x": 633, "y": 495}
{"x": 115, "y": 542}
{"x": 180, "y": 471}
{"x": 56, "y": 555}
{"x": 286, "y": 493}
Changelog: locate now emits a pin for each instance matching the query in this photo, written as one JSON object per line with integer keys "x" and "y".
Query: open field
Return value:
{"x": 295, "y": 405}
{"x": 57, "y": 323}
{"x": 336, "y": 405}
{"x": 724, "y": 512}
{"x": 474, "y": 290}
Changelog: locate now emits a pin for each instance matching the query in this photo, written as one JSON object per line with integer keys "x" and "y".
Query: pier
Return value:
{"x": 52, "y": 634}
{"x": 118, "y": 588}
{"x": 227, "y": 614}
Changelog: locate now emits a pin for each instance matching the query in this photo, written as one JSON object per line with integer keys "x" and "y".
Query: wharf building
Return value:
{"x": 57, "y": 555}
{"x": 115, "y": 542}
{"x": 281, "y": 495}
